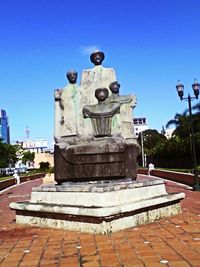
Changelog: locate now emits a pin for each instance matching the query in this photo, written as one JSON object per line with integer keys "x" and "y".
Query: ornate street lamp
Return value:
{"x": 180, "y": 90}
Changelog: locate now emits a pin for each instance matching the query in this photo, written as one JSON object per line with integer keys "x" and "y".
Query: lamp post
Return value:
{"x": 142, "y": 149}
{"x": 180, "y": 90}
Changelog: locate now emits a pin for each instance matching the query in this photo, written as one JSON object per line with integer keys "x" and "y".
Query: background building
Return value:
{"x": 140, "y": 125}
{"x": 41, "y": 150}
{"x": 37, "y": 145}
{"x": 44, "y": 157}
{"x": 4, "y": 127}
{"x": 168, "y": 133}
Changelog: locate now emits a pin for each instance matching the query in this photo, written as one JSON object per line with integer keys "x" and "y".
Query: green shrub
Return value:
{"x": 44, "y": 166}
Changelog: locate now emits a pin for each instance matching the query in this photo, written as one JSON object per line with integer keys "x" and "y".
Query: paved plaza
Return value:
{"x": 173, "y": 242}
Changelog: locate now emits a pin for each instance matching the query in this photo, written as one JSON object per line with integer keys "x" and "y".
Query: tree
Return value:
{"x": 28, "y": 157}
{"x": 196, "y": 108}
{"x": 183, "y": 127}
{"x": 150, "y": 139}
{"x": 176, "y": 152}
{"x": 182, "y": 124}
{"x": 8, "y": 154}
{"x": 196, "y": 118}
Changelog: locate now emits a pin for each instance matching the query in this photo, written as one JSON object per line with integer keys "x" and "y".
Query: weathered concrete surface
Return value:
{"x": 97, "y": 159}
{"x": 92, "y": 79}
{"x": 102, "y": 208}
{"x": 66, "y": 111}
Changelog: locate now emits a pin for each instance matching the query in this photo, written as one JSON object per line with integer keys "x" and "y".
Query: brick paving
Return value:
{"x": 172, "y": 242}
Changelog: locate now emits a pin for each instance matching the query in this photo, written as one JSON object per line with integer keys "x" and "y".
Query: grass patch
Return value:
{"x": 176, "y": 170}
{"x": 5, "y": 178}
{"x": 30, "y": 173}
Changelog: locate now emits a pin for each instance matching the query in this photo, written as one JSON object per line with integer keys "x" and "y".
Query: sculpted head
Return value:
{"x": 101, "y": 94}
{"x": 97, "y": 58}
{"x": 72, "y": 76}
{"x": 114, "y": 87}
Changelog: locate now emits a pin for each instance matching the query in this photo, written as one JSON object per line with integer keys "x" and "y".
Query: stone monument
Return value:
{"x": 96, "y": 162}
{"x": 94, "y": 135}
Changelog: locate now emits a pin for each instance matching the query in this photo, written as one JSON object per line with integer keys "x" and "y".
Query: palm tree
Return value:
{"x": 196, "y": 117}
{"x": 196, "y": 108}
{"x": 181, "y": 123}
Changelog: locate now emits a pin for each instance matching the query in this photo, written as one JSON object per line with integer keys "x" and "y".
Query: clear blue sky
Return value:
{"x": 151, "y": 44}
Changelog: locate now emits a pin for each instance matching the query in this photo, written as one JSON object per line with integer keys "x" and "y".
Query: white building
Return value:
{"x": 140, "y": 125}
{"x": 41, "y": 150}
{"x": 168, "y": 133}
{"x": 37, "y": 145}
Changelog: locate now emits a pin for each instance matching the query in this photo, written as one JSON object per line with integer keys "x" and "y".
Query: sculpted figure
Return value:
{"x": 91, "y": 79}
{"x": 58, "y": 117}
{"x": 66, "y": 107}
{"x": 101, "y": 114}
{"x": 123, "y": 123}
{"x": 115, "y": 97}
{"x": 97, "y": 58}
{"x": 72, "y": 76}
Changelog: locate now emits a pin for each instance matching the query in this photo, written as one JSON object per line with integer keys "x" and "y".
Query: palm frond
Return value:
{"x": 196, "y": 107}
{"x": 172, "y": 122}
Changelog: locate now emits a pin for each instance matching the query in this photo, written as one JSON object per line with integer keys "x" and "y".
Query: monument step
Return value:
{"x": 100, "y": 194}
{"x": 122, "y": 205}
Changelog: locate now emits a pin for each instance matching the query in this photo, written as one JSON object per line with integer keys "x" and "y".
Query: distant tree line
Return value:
{"x": 10, "y": 154}
{"x": 176, "y": 151}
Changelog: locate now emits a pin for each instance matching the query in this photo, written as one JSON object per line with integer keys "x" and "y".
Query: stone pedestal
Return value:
{"x": 102, "y": 159}
{"x": 49, "y": 179}
{"x": 98, "y": 207}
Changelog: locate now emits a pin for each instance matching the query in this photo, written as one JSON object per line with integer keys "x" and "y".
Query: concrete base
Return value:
{"x": 98, "y": 207}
